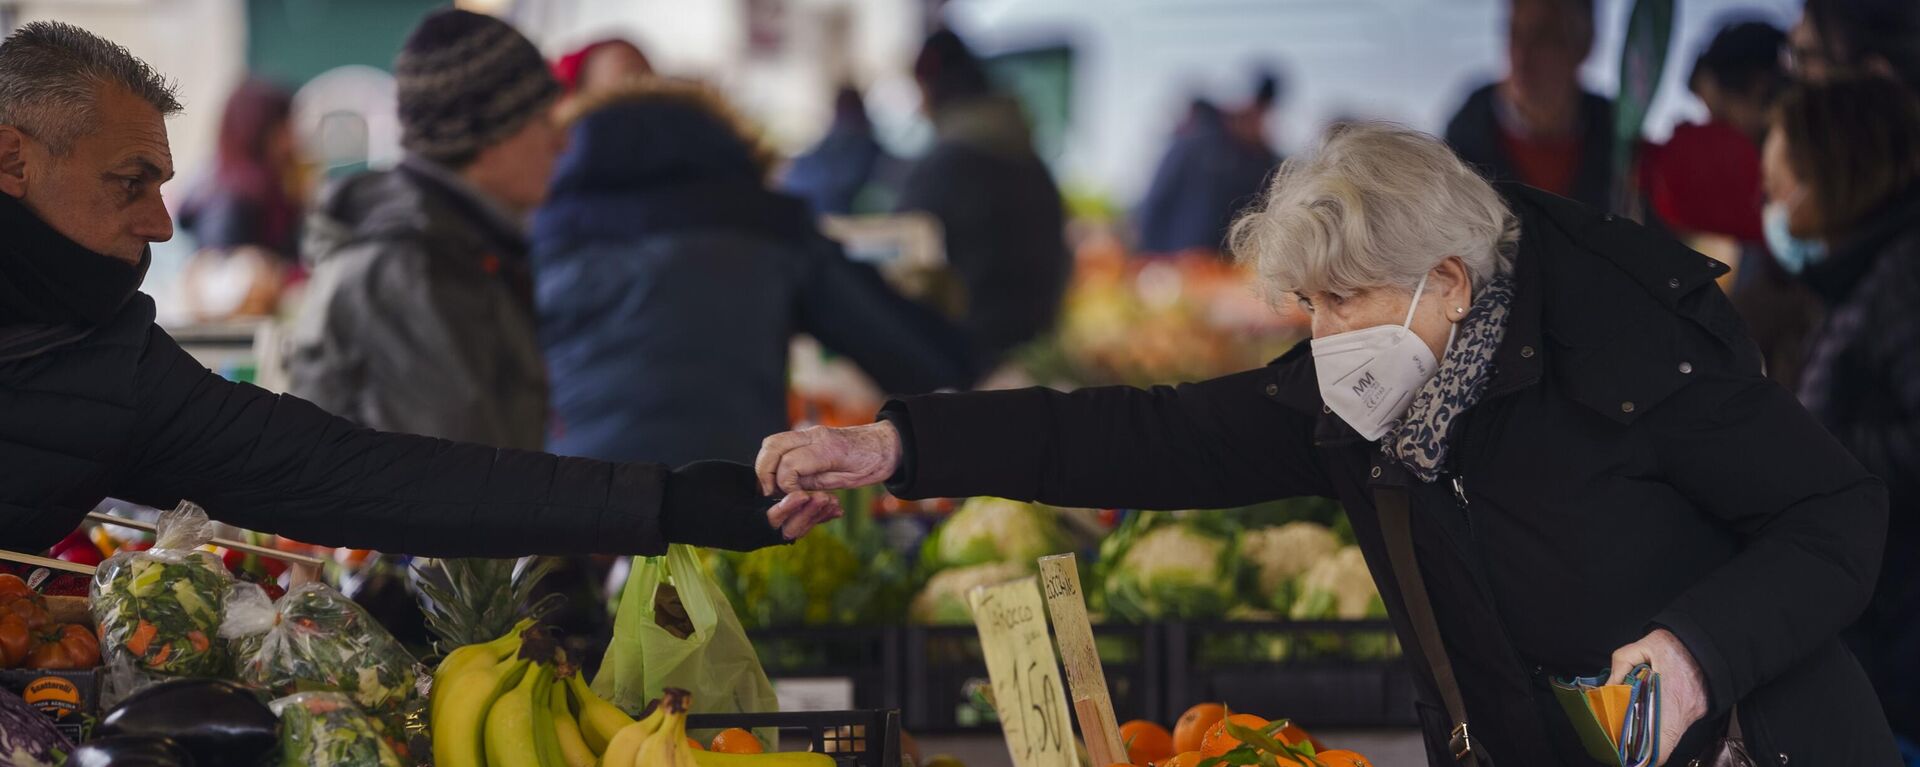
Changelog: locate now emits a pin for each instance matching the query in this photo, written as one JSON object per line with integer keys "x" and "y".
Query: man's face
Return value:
{"x": 104, "y": 193}
{"x": 515, "y": 171}
{"x": 1544, "y": 48}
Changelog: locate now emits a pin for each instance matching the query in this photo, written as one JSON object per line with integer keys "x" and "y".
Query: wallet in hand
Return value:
{"x": 1618, "y": 723}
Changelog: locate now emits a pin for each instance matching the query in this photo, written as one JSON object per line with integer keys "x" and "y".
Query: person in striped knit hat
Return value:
{"x": 420, "y": 318}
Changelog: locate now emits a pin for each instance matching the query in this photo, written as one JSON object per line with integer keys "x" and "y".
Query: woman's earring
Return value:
{"x": 1459, "y": 310}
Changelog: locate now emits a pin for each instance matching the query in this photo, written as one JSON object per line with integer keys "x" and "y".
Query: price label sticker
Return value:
{"x": 1027, "y": 690}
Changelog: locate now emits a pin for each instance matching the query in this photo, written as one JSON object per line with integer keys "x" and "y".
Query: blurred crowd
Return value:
{"x": 592, "y": 257}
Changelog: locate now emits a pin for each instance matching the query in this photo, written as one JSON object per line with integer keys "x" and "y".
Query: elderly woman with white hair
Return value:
{"x": 1553, "y": 412}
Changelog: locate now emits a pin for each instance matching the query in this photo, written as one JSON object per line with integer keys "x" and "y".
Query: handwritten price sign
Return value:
{"x": 1027, "y": 691}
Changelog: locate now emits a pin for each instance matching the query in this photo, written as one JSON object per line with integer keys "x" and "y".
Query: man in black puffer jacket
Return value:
{"x": 96, "y": 400}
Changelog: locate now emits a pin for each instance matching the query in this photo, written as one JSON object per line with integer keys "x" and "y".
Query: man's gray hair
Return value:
{"x": 1374, "y": 205}
{"x": 52, "y": 74}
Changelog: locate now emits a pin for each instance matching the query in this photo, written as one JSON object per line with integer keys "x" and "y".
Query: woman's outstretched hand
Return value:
{"x": 1683, "y": 691}
{"x": 828, "y": 459}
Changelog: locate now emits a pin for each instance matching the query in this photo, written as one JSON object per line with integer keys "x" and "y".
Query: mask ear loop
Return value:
{"x": 1408, "y": 322}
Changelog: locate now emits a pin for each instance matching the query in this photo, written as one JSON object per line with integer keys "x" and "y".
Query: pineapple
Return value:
{"x": 472, "y": 601}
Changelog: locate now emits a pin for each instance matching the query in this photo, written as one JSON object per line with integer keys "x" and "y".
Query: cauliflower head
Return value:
{"x": 1339, "y": 587}
{"x": 944, "y": 600}
{"x": 986, "y": 530}
{"x": 1279, "y": 555}
{"x": 1173, "y": 570}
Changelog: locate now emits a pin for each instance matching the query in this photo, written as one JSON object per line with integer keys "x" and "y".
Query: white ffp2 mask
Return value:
{"x": 1368, "y": 377}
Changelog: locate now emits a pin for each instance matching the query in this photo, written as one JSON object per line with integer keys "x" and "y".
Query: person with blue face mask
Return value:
{"x": 1548, "y": 427}
{"x": 1843, "y": 178}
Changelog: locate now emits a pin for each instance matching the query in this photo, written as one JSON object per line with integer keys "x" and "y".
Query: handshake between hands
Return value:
{"x": 806, "y": 465}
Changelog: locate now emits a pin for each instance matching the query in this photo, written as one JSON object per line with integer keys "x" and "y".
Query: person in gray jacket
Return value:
{"x": 420, "y": 316}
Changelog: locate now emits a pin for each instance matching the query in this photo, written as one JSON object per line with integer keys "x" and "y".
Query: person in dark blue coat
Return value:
{"x": 1206, "y": 177}
{"x": 848, "y": 171}
{"x": 670, "y": 280}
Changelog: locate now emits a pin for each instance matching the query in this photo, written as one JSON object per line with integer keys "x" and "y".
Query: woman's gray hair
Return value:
{"x": 1374, "y": 204}
{"x": 51, "y": 75}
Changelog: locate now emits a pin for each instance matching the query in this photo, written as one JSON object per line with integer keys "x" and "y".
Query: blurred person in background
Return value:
{"x": 600, "y": 64}
{"x": 245, "y": 216}
{"x": 1215, "y": 167}
{"x": 1704, "y": 184}
{"x": 1538, "y": 126}
{"x": 1839, "y": 38}
{"x": 1843, "y": 183}
{"x": 96, "y": 400}
{"x": 671, "y": 279}
{"x": 848, "y": 171}
{"x": 420, "y": 316}
{"x": 1002, "y": 217}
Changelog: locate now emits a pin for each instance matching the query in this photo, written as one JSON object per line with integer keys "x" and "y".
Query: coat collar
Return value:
{"x": 52, "y": 290}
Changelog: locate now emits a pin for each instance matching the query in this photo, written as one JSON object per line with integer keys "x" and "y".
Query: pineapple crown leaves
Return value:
{"x": 469, "y": 601}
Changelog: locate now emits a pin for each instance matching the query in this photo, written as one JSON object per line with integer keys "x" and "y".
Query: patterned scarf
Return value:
{"x": 1419, "y": 440}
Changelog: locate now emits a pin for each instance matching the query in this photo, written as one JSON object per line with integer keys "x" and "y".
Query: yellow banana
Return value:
{"x": 777, "y": 759}
{"x": 468, "y": 696}
{"x": 667, "y": 746}
{"x": 599, "y": 720}
{"x": 510, "y": 731}
{"x": 626, "y": 744}
{"x": 546, "y": 734}
{"x": 573, "y": 746}
{"x": 470, "y": 657}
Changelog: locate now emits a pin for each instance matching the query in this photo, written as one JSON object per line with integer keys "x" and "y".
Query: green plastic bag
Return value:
{"x": 675, "y": 629}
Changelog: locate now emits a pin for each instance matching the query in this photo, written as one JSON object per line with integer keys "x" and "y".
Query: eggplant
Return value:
{"x": 219, "y": 723}
{"x": 130, "y": 751}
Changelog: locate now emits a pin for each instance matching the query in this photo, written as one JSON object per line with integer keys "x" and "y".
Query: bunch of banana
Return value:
{"x": 505, "y": 703}
{"x": 659, "y": 739}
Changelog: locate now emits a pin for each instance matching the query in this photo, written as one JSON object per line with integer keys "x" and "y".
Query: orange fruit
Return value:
{"x": 1292, "y": 735}
{"x": 737, "y": 741}
{"x": 1343, "y": 758}
{"x": 1147, "y": 743}
{"x": 1192, "y": 728}
{"x": 695, "y": 745}
{"x": 1219, "y": 742}
{"x": 1183, "y": 759}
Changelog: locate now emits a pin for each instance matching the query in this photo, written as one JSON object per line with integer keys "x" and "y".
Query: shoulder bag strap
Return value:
{"x": 1391, "y": 503}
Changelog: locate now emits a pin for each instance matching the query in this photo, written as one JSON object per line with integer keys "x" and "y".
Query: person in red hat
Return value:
{"x": 601, "y": 63}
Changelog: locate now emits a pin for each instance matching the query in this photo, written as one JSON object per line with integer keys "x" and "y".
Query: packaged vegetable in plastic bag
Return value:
{"x": 316, "y": 639}
{"x": 159, "y": 609}
{"x": 325, "y": 729}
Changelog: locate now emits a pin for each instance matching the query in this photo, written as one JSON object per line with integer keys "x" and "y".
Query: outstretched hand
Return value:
{"x": 797, "y": 513}
{"x": 828, "y": 459}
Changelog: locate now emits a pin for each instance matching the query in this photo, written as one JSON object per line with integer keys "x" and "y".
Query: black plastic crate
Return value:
{"x": 863, "y": 738}
{"x": 1304, "y": 671}
{"x": 945, "y": 672}
{"x": 869, "y": 657}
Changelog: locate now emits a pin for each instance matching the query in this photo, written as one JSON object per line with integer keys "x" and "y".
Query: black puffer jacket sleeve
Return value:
{"x": 1215, "y": 444}
{"x": 1741, "y": 448}
{"x": 280, "y": 464}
